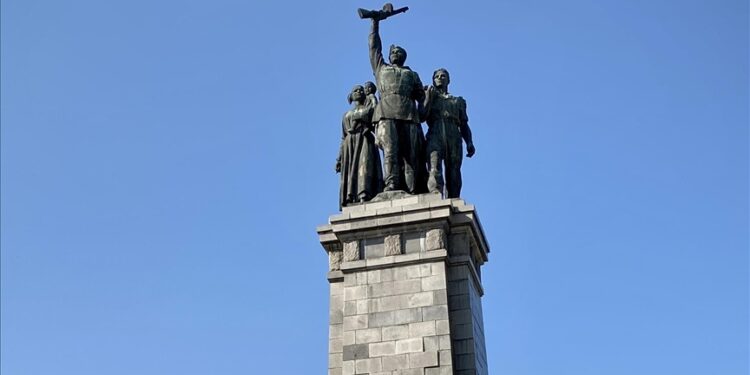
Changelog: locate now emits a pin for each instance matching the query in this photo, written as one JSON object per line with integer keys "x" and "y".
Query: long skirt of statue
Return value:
{"x": 361, "y": 173}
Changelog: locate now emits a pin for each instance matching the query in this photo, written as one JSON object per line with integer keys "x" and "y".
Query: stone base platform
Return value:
{"x": 405, "y": 288}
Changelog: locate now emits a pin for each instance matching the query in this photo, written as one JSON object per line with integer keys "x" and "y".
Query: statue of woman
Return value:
{"x": 358, "y": 160}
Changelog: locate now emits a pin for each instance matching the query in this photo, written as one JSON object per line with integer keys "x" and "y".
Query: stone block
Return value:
{"x": 442, "y": 370}
{"x": 461, "y": 316}
{"x": 424, "y": 359}
{"x": 334, "y": 360}
{"x": 409, "y": 371}
{"x": 420, "y": 299}
{"x": 421, "y": 329}
{"x": 374, "y": 247}
{"x": 382, "y": 261}
{"x": 392, "y": 244}
{"x": 400, "y": 273}
{"x": 380, "y": 349}
{"x": 438, "y": 269}
{"x": 413, "y": 242}
{"x": 386, "y": 274}
{"x": 442, "y": 327}
{"x": 395, "y": 362}
{"x": 335, "y": 315}
{"x": 412, "y": 272}
{"x": 356, "y": 351}
{"x": 407, "y": 286}
{"x": 463, "y": 346}
{"x": 431, "y": 343}
{"x": 389, "y": 220}
{"x": 350, "y": 308}
{"x": 349, "y": 338}
{"x": 393, "y": 302}
{"x": 415, "y": 216}
{"x": 336, "y": 289}
{"x": 411, "y": 345}
{"x": 425, "y": 270}
{"x": 373, "y": 276}
{"x": 363, "y": 306}
{"x": 433, "y": 282}
{"x": 438, "y": 312}
{"x": 350, "y": 279}
{"x": 353, "y": 293}
{"x": 335, "y": 331}
{"x": 465, "y": 362}
{"x": 381, "y": 319}
{"x": 391, "y": 288}
{"x": 395, "y": 332}
{"x": 355, "y": 322}
{"x": 347, "y": 368}
{"x": 334, "y": 371}
{"x": 440, "y": 297}
{"x": 444, "y": 342}
{"x": 366, "y": 336}
{"x": 444, "y": 357}
{"x": 335, "y": 345}
{"x": 407, "y": 316}
{"x": 367, "y": 366}
{"x": 435, "y": 239}
{"x": 462, "y": 331}
{"x": 334, "y": 260}
{"x": 351, "y": 251}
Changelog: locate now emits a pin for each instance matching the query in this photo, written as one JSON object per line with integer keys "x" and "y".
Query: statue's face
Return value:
{"x": 369, "y": 89}
{"x": 441, "y": 79}
{"x": 358, "y": 93}
{"x": 397, "y": 56}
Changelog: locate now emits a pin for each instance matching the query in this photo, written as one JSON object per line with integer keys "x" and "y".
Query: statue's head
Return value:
{"x": 397, "y": 55}
{"x": 441, "y": 78}
{"x": 357, "y": 94}
{"x": 370, "y": 88}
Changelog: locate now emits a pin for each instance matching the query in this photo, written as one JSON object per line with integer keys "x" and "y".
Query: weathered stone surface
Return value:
{"x": 334, "y": 260}
{"x": 435, "y": 239}
{"x": 411, "y": 345}
{"x": 351, "y": 251}
{"x": 356, "y": 351}
{"x": 393, "y": 245}
{"x": 424, "y": 359}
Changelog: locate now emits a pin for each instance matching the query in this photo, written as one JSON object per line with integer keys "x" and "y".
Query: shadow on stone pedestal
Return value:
{"x": 405, "y": 288}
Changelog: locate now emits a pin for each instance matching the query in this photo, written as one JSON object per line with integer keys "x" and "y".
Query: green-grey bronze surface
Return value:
{"x": 358, "y": 160}
{"x": 399, "y": 132}
{"x": 448, "y": 125}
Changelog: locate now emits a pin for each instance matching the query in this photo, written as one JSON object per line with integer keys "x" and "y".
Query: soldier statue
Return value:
{"x": 448, "y": 125}
{"x": 399, "y": 132}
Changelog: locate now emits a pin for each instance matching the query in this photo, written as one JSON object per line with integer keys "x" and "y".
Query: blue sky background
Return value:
{"x": 165, "y": 163}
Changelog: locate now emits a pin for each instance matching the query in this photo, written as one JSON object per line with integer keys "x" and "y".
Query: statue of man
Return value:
{"x": 399, "y": 131}
{"x": 448, "y": 125}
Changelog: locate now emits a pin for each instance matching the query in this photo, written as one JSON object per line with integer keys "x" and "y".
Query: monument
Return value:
{"x": 404, "y": 265}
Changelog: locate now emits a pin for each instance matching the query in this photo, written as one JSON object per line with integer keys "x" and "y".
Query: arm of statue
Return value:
{"x": 425, "y": 106}
{"x": 466, "y": 131}
{"x": 341, "y": 146}
{"x": 376, "y": 47}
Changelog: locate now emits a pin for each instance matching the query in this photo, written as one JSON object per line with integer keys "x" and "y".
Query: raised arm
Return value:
{"x": 376, "y": 47}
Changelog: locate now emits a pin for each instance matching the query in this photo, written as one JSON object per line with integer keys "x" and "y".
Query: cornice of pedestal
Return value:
{"x": 413, "y": 213}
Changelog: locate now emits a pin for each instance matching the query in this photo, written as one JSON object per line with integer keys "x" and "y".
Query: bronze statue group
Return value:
{"x": 412, "y": 162}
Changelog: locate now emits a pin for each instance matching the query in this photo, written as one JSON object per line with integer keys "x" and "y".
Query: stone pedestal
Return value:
{"x": 405, "y": 288}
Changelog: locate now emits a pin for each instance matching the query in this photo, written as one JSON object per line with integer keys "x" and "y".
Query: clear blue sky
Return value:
{"x": 165, "y": 163}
